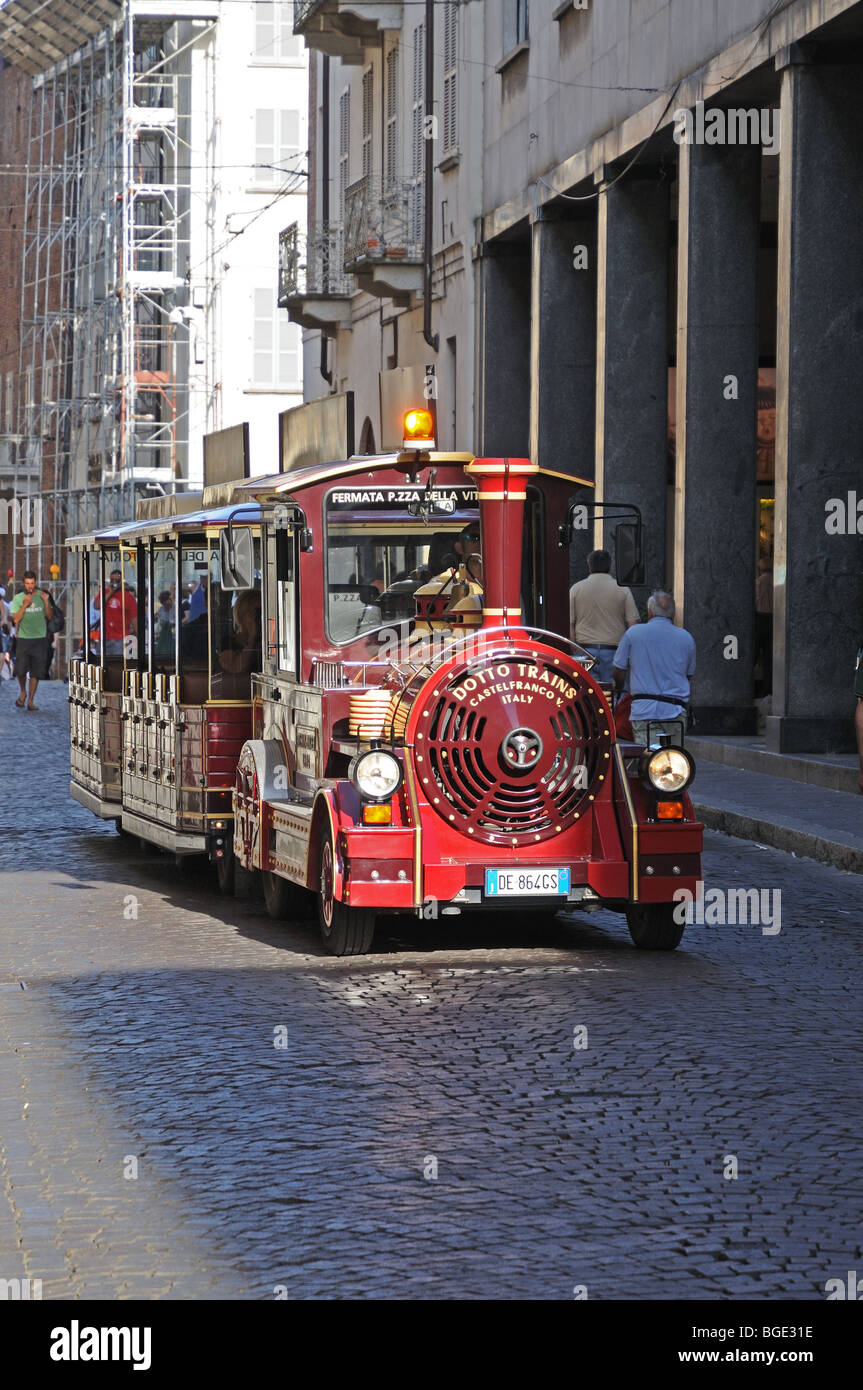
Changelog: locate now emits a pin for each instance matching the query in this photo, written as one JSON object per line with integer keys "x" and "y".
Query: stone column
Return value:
{"x": 563, "y": 356}
{"x": 563, "y": 344}
{"x": 717, "y": 410}
{"x": 503, "y": 351}
{"x": 818, "y": 560}
{"x": 632, "y": 358}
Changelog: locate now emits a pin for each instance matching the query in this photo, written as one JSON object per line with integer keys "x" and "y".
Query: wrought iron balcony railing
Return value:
{"x": 383, "y": 221}
{"x": 312, "y": 264}
{"x": 302, "y": 10}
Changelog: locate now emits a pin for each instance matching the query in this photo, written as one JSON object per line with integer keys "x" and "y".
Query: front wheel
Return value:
{"x": 652, "y": 926}
{"x": 345, "y": 931}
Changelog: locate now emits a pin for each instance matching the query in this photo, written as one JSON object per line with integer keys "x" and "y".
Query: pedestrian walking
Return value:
{"x": 600, "y": 611}
{"x": 660, "y": 659}
{"x": 30, "y": 612}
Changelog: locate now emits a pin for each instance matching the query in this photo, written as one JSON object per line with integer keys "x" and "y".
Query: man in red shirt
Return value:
{"x": 120, "y": 614}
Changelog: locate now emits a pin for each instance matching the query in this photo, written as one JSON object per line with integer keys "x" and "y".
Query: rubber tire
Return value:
{"x": 245, "y": 886}
{"x": 345, "y": 931}
{"x": 225, "y": 873}
{"x": 282, "y": 898}
{"x": 652, "y": 926}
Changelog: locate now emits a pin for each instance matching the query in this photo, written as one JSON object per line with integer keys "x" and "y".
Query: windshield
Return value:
{"x": 388, "y": 546}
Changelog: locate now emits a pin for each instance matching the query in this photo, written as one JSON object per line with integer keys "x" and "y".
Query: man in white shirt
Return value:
{"x": 600, "y": 611}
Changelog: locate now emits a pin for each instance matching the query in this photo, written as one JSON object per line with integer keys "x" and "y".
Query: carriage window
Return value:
{"x": 87, "y": 644}
{"x": 119, "y": 605}
{"x": 164, "y": 608}
{"x": 286, "y": 598}
{"x": 533, "y": 599}
{"x": 194, "y": 607}
{"x": 235, "y": 632}
{"x": 382, "y": 556}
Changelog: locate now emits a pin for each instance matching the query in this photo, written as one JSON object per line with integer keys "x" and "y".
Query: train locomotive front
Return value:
{"x": 486, "y": 774}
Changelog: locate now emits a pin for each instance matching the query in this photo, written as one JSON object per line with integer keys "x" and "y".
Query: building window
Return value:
{"x": 514, "y": 24}
{"x": 274, "y": 34}
{"x": 450, "y": 78}
{"x": 277, "y": 147}
{"x": 10, "y": 402}
{"x": 391, "y": 109}
{"x": 368, "y": 110}
{"x": 344, "y": 147}
{"x": 417, "y": 142}
{"x": 275, "y": 345}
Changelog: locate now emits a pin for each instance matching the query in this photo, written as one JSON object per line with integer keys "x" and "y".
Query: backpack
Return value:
{"x": 57, "y": 621}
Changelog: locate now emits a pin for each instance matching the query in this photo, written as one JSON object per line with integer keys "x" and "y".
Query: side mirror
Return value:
{"x": 237, "y": 554}
{"x": 629, "y": 553}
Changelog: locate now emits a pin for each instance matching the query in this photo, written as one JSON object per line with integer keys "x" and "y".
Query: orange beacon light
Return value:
{"x": 418, "y": 430}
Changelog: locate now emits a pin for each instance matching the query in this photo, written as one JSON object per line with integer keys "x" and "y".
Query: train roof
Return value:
{"x": 278, "y": 484}
{"x": 246, "y": 513}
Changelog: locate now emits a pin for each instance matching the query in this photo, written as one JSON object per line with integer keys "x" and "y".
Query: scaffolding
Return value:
{"x": 103, "y": 390}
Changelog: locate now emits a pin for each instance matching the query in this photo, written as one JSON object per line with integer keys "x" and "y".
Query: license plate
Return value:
{"x": 526, "y": 883}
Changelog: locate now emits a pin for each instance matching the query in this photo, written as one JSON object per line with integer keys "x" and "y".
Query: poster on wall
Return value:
{"x": 766, "y": 425}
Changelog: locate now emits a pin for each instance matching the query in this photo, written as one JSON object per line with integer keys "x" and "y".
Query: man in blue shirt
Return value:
{"x": 660, "y": 658}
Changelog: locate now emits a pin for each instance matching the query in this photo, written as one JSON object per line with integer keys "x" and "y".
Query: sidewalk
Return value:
{"x": 793, "y": 811}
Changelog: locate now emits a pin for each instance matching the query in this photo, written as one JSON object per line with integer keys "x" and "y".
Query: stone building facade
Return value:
{"x": 645, "y": 267}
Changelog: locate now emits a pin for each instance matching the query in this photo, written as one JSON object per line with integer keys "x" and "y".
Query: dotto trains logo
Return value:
{"x": 515, "y": 683}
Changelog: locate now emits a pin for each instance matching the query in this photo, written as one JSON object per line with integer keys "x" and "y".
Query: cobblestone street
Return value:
{"x": 429, "y": 1130}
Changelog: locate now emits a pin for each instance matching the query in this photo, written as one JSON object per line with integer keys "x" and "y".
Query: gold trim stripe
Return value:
{"x": 415, "y": 813}
{"x": 501, "y": 496}
{"x": 618, "y": 757}
{"x": 517, "y": 466}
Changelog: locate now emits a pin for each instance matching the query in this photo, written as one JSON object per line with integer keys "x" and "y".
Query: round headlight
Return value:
{"x": 376, "y": 775}
{"x": 669, "y": 770}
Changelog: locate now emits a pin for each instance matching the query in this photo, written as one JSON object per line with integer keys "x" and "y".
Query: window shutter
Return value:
{"x": 289, "y": 46}
{"x": 368, "y": 110}
{"x": 289, "y": 133}
{"x": 262, "y": 339}
{"x": 265, "y": 145}
{"x": 344, "y": 146}
{"x": 265, "y": 30}
{"x": 391, "y": 104}
{"x": 417, "y": 132}
{"x": 450, "y": 77}
{"x": 288, "y": 364}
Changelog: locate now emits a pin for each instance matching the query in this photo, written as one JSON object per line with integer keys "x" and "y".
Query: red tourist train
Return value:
{"x": 381, "y": 712}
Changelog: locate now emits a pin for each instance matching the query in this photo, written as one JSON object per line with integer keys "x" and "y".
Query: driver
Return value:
{"x": 456, "y": 590}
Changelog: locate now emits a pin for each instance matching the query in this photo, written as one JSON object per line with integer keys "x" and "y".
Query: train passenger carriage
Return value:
{"x": 160, "y": 691}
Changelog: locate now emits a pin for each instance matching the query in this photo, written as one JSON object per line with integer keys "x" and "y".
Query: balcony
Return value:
{"x": 344, "y": 28}
{"x": 383, "y": 237}
{"x": 313, "y": 286}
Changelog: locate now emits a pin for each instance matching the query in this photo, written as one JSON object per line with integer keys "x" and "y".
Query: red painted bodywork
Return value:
{"x": 607, "y": 847}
